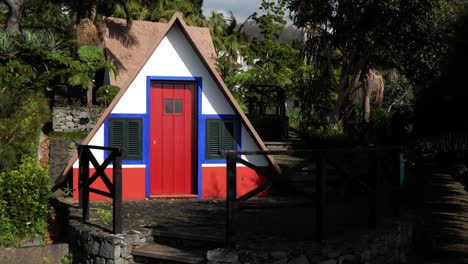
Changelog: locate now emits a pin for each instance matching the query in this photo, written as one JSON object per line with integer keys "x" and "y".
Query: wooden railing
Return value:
{"x": 321, "y": 159}
{"x": 114, "y": 188}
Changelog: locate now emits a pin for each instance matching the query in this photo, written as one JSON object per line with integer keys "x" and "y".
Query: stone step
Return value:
{"x": 157, "y": 253}
{"x": 192, "y": 237}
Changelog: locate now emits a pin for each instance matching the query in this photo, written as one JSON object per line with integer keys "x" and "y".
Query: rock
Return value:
{"x": 83, "y": 115}
{"x": 114, "y": 239}
{"x": 365, "y": 255}
{"x": 135, "y": 235}
{"x": 36, "y": 240}
{"x": 109, "y": 251}
{"x": 144, "y": 232}
{"x": 345, "y": 259}
{"x": 99, "y": 261}
{"x": 333, "y": 253}
{"x": 299, "y": 260}
{"x": 279, "y": 255}
{"x": 139, "y": 242}
{"x": 93, "y": 248}
{"x": 222, "y": 255}
{"x": 281, "y": 261}
{"x": 329, "y": 261}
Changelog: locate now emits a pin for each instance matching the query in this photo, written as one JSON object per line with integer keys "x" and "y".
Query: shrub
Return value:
{"x": 105, "y": 94}
{"x": 21, "y": 118}
{"x": 24, "y": 201}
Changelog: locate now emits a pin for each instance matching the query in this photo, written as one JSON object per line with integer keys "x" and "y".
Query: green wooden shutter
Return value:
{"x": 133, "y": 146}
{"x": 213, "y": 138}
{"x": 116, "y": 132}
{"x": 220, "y": 135}
{"x": 229, "y": 135}
{"x": 127, "y": 133}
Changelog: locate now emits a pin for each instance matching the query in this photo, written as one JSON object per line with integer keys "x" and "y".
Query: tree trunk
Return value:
{"x": 89, "y": 97}
{"x": 15, "y": 8}
{"x": 345, "y": 87}
{"x": 366, "y": 103}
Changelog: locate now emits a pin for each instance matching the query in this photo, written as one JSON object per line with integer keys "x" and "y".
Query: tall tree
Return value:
{"x": 15, "y": 12}
{"x": 406, "y": 34}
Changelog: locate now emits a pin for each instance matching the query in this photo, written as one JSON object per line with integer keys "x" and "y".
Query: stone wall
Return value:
{"x": 74, "y": 118}
{"x": 60, "y": 153}
{"x": 90, "y": 244}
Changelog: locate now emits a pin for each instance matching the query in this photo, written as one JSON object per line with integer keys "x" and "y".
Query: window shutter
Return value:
{"x": 220, "y": 135}
{"x": 133, "y": 146}
{"x": 212, "y": 138}
{"x": 116, "y": 132}
{"x": 229, "y": 135}
{"x": 127, "y": 133}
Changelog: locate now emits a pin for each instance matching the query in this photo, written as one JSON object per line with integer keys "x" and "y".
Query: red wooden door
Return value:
{"x": 172, "y": 132}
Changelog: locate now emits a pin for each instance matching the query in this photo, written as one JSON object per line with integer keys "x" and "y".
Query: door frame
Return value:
{"x": 196, "y": 166}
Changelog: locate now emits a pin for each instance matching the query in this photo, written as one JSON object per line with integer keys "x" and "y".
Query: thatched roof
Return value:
{"x": 129, "y": 50}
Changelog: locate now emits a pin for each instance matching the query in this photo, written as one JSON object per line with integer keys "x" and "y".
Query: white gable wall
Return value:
{"x": 174, "y": 57}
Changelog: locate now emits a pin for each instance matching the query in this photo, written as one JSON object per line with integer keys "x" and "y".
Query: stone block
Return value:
{"x": 144, "y": 232}
{"x": 126, "y": 250}
{"x": 346, "y": 259}
{"x": 140, "y": 242}
{"x": 83, "y": 114}
{"x": 280, "y": 261}
{"x": 278, "y": 254}
{"x": 69, "y": 118}
{"x": 114, "y": 239}
{"x": 365, "y": 255}
{"x": 329, "y": 261}
{"x": 93, "y": 247}
{"x": 135, "y": 235}
{"x": 99, "y": 260}
{"x": 116, "y": 261}
{"x": 109, "y": 251}
{"x": 299, "y": 260}
{"x": 222, "y": 255}
{"x": 70, "y": 124}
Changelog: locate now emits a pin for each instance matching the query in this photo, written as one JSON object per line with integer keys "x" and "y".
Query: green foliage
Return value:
{"x": 67, "y": 259}
{"x": 458, "y": 170}
{"x": 22, "y": 116}
{"x": 24, "y": 205}
{"x": 104, "y": 215}
{"x": 350, "y": 37}
{"x": 271, "y": 23}
{"x": 105, "y": 94}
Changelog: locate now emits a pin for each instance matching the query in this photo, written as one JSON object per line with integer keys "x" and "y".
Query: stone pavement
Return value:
{"x": 442, "y": 231}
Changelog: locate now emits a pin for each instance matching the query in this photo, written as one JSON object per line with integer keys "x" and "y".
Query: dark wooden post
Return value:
{"x": 84, "y": 171}
{"x": 80, "y": 176}
{"x": 231, "y": 198}
{"x": 117, "y": 201}
{"x": 374, "y": 178}
{"x": 321, "y": 197}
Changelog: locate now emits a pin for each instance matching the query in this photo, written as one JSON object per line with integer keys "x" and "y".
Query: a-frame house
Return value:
{"x": 172, "y": 115}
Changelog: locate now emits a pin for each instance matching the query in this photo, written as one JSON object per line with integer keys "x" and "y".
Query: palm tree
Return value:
{"x": 15, "y": 12}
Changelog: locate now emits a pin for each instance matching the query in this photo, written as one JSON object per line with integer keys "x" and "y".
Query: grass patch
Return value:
{"x": 69, "y": 134}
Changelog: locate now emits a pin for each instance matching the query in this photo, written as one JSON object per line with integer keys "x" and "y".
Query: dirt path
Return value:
{"x": 442, "y": 232}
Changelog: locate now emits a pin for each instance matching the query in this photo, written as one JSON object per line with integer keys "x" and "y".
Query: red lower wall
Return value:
{"x": 133, "y": 184}
{"x": 214, "y": 181}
